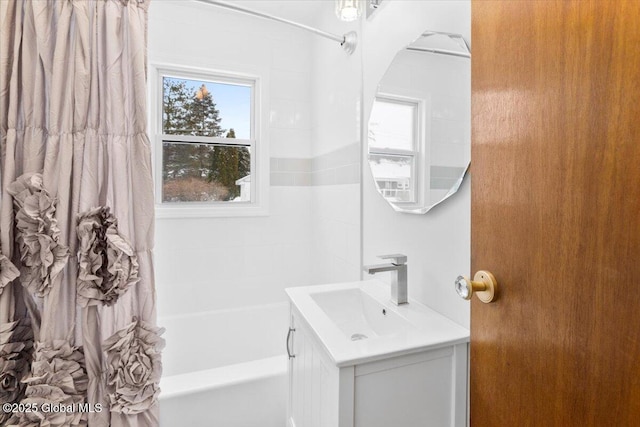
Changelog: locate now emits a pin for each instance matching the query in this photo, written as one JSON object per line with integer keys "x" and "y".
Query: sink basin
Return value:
{"x": 357, "y": 323}
{"x": 358, "y": 316}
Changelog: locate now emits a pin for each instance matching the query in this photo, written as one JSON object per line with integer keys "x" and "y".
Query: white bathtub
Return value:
{"x": 225, "y": 368}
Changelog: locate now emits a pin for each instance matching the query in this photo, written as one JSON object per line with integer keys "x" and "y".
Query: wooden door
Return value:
{"x": 556, "y": 212}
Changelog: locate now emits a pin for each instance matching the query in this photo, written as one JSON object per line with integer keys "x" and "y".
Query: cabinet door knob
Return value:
{"x": 484, "y": 285}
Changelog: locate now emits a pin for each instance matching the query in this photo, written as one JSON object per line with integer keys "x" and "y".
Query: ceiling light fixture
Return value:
{"x": 348, "y": 10}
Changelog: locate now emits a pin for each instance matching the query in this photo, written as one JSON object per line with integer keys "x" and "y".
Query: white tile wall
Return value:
{"x": 209, "y": 264}
{"x": 290, "y": 142}
{"x": 336, "y": 94}
{"x": 293, "y": 85}
{"x": 219, "y": 263}
{"x": 289, "y": 114}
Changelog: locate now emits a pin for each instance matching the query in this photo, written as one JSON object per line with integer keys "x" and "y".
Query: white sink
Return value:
{"x": 357, "y": 323}
{"x": 358, "y": 315}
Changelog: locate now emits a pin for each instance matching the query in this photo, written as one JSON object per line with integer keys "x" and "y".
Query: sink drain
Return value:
{"x": 358, "y": 337}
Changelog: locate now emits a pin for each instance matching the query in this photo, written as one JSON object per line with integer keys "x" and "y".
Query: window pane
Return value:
{"x": 392, "y": 125}
{"x": 205, "y": 172}
{"x": 204, "y": 108}
{"x": 393, "y": 175}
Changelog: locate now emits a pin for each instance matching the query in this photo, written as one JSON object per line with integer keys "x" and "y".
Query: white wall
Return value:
{"x": 438, "y": 243}
{"x": 213, "y": 263}
{"x": 336, "y": 98}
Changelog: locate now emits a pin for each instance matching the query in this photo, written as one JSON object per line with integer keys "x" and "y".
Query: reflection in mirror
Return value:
{"x": 419, "y": 127}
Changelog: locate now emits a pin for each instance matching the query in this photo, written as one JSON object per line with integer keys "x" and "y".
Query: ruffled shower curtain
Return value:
{"x": 78, "y": 338}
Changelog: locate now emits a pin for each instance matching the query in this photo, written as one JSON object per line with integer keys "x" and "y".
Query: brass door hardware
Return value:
{"x": 484, "y": 285}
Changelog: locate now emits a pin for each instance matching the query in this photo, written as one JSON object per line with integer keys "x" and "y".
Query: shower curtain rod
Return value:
{"x": 348, "y": 41}
{"x": 440, "y": 51}
{"x": 444, "y": 51}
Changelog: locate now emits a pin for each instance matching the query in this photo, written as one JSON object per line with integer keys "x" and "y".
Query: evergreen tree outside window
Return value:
{"x": 207, "y": 128}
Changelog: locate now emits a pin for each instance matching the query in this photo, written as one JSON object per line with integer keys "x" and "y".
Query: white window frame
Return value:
{"x": 258, "y": 206}
{"x": 418, "y": 154}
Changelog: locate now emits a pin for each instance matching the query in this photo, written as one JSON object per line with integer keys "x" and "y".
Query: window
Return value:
{"x": 394, "y": 134}
{"x": 207, "y": 144}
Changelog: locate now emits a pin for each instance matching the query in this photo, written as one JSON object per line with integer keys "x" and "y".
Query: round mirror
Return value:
{"x": 420, "y": 123}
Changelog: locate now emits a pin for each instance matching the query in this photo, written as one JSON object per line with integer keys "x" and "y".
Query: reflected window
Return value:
{"x": 394, "y": 129}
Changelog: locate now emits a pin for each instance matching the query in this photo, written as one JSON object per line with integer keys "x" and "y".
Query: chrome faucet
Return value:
{"x": 398, "y": 268}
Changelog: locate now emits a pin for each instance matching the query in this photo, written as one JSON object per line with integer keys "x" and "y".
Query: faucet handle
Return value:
{"x": 398, "y": 259}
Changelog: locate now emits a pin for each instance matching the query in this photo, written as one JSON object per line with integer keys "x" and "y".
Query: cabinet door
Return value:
{"x": 416, "y": 390}
{"x": 313, "y": 382}
{"x": 296, "y": 376}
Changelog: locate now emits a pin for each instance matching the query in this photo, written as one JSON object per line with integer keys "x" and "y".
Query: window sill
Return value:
{"x": 185, "y": 211}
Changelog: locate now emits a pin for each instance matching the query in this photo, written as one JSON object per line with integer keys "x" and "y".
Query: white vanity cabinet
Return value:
{"x": 426, "y": 387}
{"x": 314, "y": 382}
